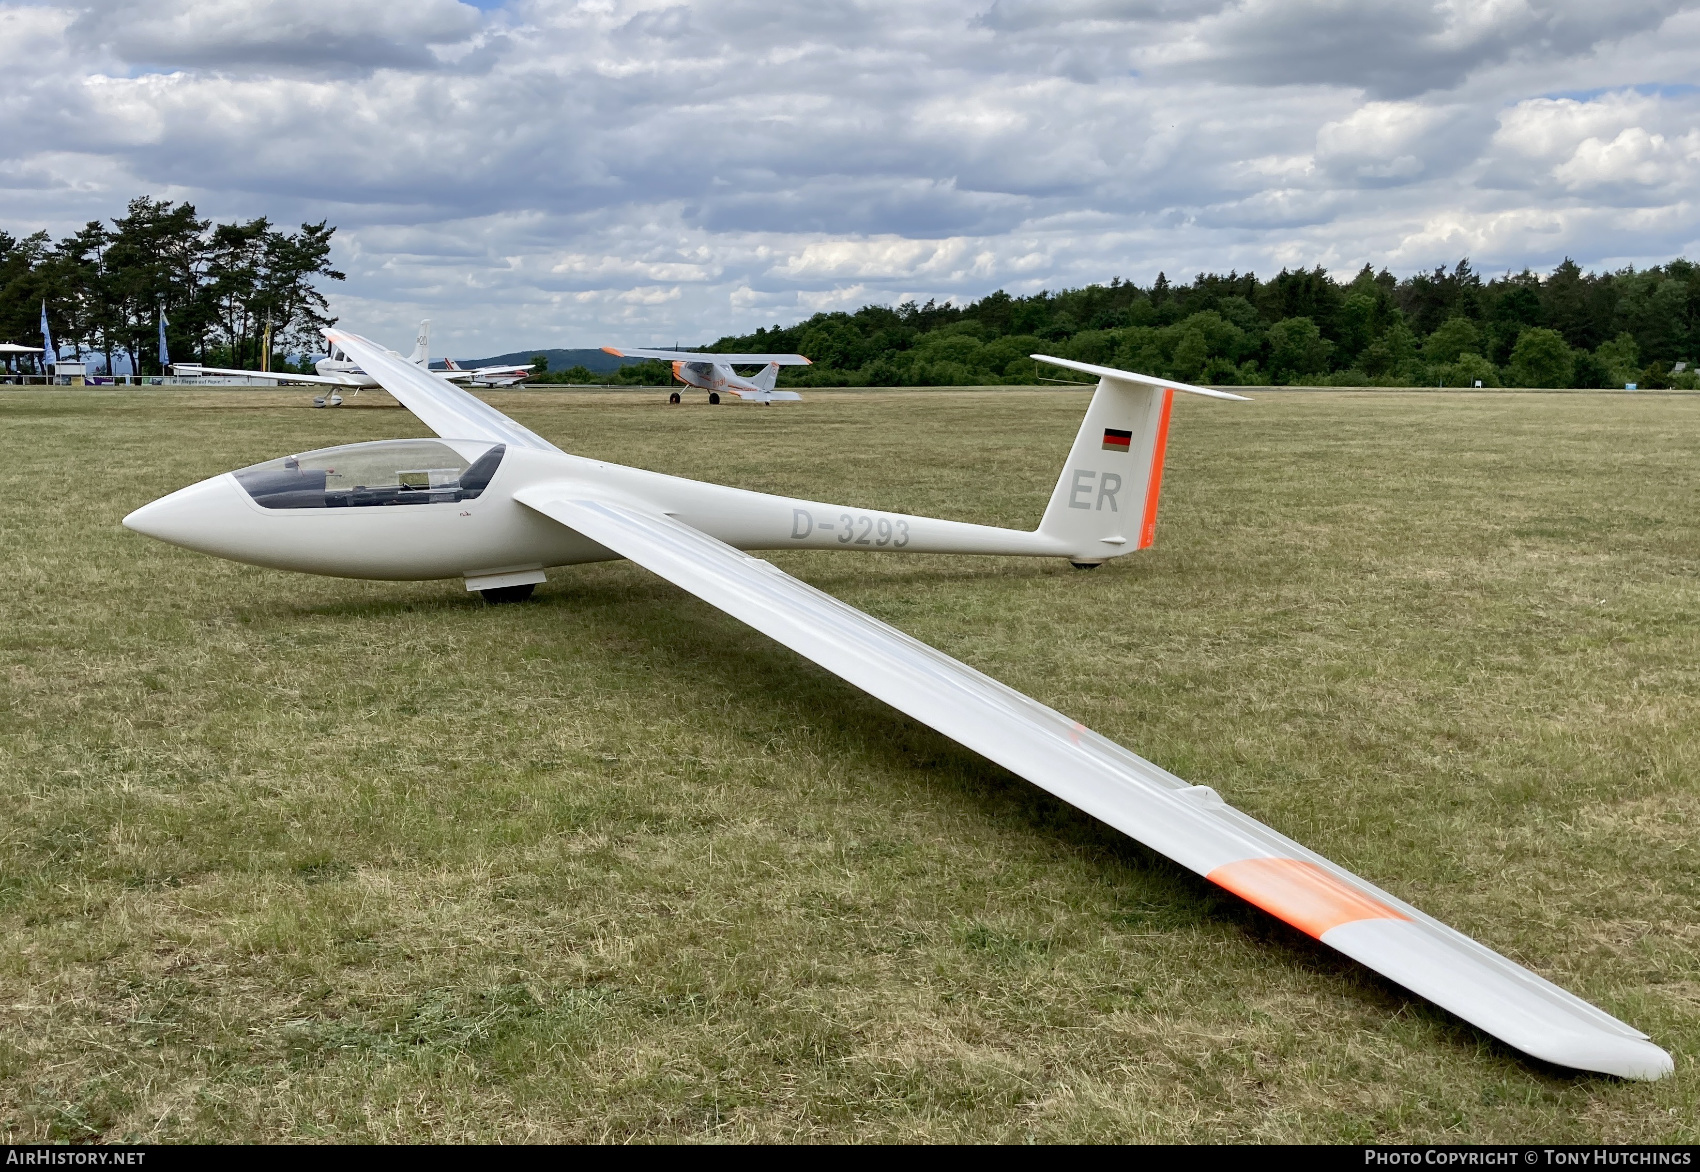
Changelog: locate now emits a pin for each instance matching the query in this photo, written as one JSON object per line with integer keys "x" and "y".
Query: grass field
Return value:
{"x": 300, "y": 858}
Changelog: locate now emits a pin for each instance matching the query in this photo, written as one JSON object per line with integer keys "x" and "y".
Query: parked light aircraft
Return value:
{"x": 484, "y": 376}
{"x": 713, "y": 373}
{"x": 494, "y": 503}
{"x": 338, "y": 370}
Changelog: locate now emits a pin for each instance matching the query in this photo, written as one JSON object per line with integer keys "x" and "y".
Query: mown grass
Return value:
{"x": 298, "y": 858}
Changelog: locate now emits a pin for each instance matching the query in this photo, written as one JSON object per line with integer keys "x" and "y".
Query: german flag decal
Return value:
{"x": 1117, "y": 441}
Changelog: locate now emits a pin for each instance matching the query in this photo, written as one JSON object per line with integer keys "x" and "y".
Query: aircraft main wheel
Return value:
{"x": 1086, "y": 565}
{"x": 714, "y": 396}
{"x": 673, "y": 398}
{"x": 503, "y": 594}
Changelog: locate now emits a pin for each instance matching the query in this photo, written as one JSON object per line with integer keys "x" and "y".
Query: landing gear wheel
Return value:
{"x": 503, "y": 594}
{"x": 1086, "y": 565}
{"x": 673, "y": 398}
{"x": 714, "y": 396}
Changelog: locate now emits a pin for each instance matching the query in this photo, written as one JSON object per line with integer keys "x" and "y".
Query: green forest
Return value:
{"x": 221, "y": 287}
{"x": 218, "y": 285}
{"x": 1440, "y": 328}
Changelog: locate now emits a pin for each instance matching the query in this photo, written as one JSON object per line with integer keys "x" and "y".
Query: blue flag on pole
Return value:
{"x": 49, "y": 352}
{"x": 164, "y": 354}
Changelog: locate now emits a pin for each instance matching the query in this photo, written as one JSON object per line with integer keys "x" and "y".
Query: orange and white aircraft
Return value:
{"x": 713, "y": 373}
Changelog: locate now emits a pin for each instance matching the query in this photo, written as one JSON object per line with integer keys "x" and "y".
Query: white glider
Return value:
{"x": 338, "y": 370}
{"x": 713, "y": 373}
{"x": 494, "y": 502}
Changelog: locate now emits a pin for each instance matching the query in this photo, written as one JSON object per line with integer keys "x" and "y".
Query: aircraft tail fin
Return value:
{"x": 768, "y": 376}
{"x": 1105, "y": 503}
{"x": 421, "y": 355}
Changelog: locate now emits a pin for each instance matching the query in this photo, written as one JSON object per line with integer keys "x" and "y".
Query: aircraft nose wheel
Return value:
{"x": 673, "y": 398}
{"x": 714, "y": 396}
{"x": 503, "y": 594}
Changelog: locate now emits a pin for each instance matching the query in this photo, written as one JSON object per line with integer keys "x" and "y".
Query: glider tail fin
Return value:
{"x": 421, "y": 355}
{"x": 767, "y": 377}
{"x": 1105, "y": 504}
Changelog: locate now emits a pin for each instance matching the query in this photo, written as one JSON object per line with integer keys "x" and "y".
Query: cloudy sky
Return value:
{"x": 554, "y": 173}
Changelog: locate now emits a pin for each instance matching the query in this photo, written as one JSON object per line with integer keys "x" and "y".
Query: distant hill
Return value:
{"x": 595, "y": 361}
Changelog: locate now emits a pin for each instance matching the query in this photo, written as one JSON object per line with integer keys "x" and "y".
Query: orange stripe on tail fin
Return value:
{"x": 1311, "y": 899}
{"x": 1154, "y": 486}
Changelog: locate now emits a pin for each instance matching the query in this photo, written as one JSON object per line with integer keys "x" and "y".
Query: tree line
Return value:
{"x": 1304, "y": 327}
{"x": 218, "y": 287}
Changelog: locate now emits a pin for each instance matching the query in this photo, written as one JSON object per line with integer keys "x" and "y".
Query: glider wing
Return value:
{"x": 1190, "y": 824}
{"x": 275, "y": 376}
{"x": 440, "y": 405}
{"x": 722, "y": 359}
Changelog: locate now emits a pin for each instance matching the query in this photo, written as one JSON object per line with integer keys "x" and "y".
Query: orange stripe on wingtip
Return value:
{"x": 1301, "y": 893}
{"x": 1154, "y": 486}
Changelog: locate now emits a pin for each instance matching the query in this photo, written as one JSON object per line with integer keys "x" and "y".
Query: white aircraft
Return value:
{"x": 713, "y": 373}
{"x": 338, "y": 370}
{"x": 484, "y": 376}
{"x": 494, "y": 503}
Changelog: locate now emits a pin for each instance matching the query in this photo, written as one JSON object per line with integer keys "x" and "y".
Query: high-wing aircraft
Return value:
{"x": 494, "y": 503}
{"x": 713, "y": 373}
{"x": 340, "y": 371}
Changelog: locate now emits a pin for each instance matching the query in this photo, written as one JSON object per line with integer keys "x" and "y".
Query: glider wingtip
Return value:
{"x": 1629, "y": 1058}
{"x": 614, "y": 350}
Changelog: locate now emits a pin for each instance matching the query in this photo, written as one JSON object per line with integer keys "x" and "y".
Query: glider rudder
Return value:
{"x": 421, "y": 355}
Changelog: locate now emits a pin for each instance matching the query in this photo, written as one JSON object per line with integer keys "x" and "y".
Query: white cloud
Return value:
{"x": 558, "y": 171}
{"x": 310, "y": 35}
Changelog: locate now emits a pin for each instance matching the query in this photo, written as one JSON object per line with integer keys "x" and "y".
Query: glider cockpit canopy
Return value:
{"x": 388, "y": 472}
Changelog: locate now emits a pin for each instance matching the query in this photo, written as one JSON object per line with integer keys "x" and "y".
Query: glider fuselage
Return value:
{"x": 347, "y": 534}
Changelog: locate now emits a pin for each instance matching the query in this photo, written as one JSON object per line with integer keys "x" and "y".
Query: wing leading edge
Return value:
{"x": 1190, "y": 824}
{"x": 440, "y": 405}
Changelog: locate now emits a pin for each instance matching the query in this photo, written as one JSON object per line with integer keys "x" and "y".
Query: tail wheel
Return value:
{"x": 673, "y": 398}
{"x": 714, "y": 396}
{"x": 503, "y": 594}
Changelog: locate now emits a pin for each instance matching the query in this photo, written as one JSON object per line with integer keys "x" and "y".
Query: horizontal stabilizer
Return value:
{"x": 1127, "y": 376}
{"x": 722, "y": 359}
